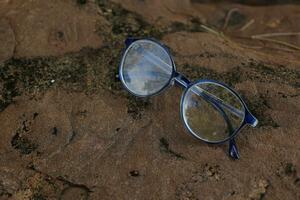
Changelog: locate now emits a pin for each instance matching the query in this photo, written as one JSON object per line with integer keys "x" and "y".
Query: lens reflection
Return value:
{"x": 212, "y": 112}
{"x": 147, "y": 68}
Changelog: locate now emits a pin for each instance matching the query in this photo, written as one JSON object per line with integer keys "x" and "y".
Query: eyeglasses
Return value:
{"x": 211, "y": 111}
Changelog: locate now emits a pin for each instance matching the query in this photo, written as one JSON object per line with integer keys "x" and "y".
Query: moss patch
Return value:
{"x": 81, "y": 2}
{"x": 23, "y": 144}
{"x": 127, "y": 23}
{"x": 89, "y": 70}
{"x": 136, "y": 106}
{"x": 193, "y": 25}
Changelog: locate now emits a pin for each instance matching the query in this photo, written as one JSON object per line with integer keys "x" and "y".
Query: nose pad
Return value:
{"x": 172, "y": 82}
{"x": 195, "y": 104}
{"x": 233, "y": 151}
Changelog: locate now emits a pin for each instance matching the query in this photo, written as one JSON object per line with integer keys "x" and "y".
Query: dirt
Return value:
{"x": 70, "y": 131}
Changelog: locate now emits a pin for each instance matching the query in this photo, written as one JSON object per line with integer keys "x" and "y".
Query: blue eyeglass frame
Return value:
{"x": 183, "y": 82}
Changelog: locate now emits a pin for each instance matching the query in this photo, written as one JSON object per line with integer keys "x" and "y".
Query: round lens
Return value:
{"x": 146, "y": 68}
{"x": 212, "y": 112}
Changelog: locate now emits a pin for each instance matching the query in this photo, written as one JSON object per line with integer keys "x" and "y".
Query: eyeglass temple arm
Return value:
{"x": 232, "y": 151}
{"x": 184, "y": 82}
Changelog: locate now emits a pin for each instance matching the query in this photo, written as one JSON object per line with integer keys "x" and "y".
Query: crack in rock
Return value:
{"x": 71, "y": 190}
{"x": 164, "y": 147}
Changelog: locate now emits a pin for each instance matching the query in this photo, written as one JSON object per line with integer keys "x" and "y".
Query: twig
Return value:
{"x": 260, "y": 47}
{"x": 250, "y": 47}
{"x": 277, "y": 34}
{"x": 218, "y": 34}
{"x": 277, "y": 42}
{"x": 228, "y": 16}
{"x": 210, "y": 30}
{"x": 247, "y": 25}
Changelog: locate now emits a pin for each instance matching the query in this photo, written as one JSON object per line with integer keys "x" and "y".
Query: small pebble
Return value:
{"x": 134, "y": 173}
{"x": 54, "y": 131}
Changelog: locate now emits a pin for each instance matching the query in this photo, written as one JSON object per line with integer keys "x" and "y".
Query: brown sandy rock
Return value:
{"x": 7, "y": 40}
{"x": 82, "y": 137}
{"x": 49, "y": 28}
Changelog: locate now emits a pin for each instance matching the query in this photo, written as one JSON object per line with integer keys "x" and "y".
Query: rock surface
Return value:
{"x": 7, "y": 40}
{"x": 70, "y": 131}
{"x": 49, "y": 28}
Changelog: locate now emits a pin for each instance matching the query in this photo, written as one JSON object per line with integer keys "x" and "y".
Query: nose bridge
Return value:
{"x": 181, "y": 80}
